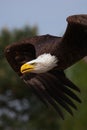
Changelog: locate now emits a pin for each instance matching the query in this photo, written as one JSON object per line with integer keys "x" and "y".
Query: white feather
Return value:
{"x": 44, "y": 63}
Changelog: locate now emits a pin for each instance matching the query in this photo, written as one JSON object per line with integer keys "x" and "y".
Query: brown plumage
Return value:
{"x": 52, "y": 87}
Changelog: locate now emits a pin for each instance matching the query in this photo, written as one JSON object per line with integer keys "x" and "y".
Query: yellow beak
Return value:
{"x": 26, "y": 68}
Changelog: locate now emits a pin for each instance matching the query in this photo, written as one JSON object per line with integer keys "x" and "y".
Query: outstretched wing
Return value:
{"x": 52, "y": 87}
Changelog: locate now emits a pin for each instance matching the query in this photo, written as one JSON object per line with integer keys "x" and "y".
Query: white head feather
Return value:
{"x": 44, "y": 63}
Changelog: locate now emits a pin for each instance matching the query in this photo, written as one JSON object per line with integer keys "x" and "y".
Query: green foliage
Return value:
{"x": 78, "y": 74}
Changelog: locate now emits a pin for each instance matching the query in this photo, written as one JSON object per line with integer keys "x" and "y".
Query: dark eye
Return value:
{"x": 33, "y": 63}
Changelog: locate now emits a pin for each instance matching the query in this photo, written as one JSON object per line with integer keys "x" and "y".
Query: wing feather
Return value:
{"x": 34, "y": 88}
{"x": 56, "y": 91}
{"x": 51, "y": 90}
{"x": 61, "y": 76}
{"x": 47, "y": 96}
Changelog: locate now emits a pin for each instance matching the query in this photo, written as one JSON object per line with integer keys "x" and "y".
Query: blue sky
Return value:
{"x": 48, "y": 15}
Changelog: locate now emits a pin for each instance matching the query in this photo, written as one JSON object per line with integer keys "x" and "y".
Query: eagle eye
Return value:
{"x": 33, "y": 63}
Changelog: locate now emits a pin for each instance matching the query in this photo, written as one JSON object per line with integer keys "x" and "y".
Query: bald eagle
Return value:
{"x": 39, "y": 63}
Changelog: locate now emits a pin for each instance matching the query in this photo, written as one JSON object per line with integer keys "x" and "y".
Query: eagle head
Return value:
{"x": 41, "y": 64}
